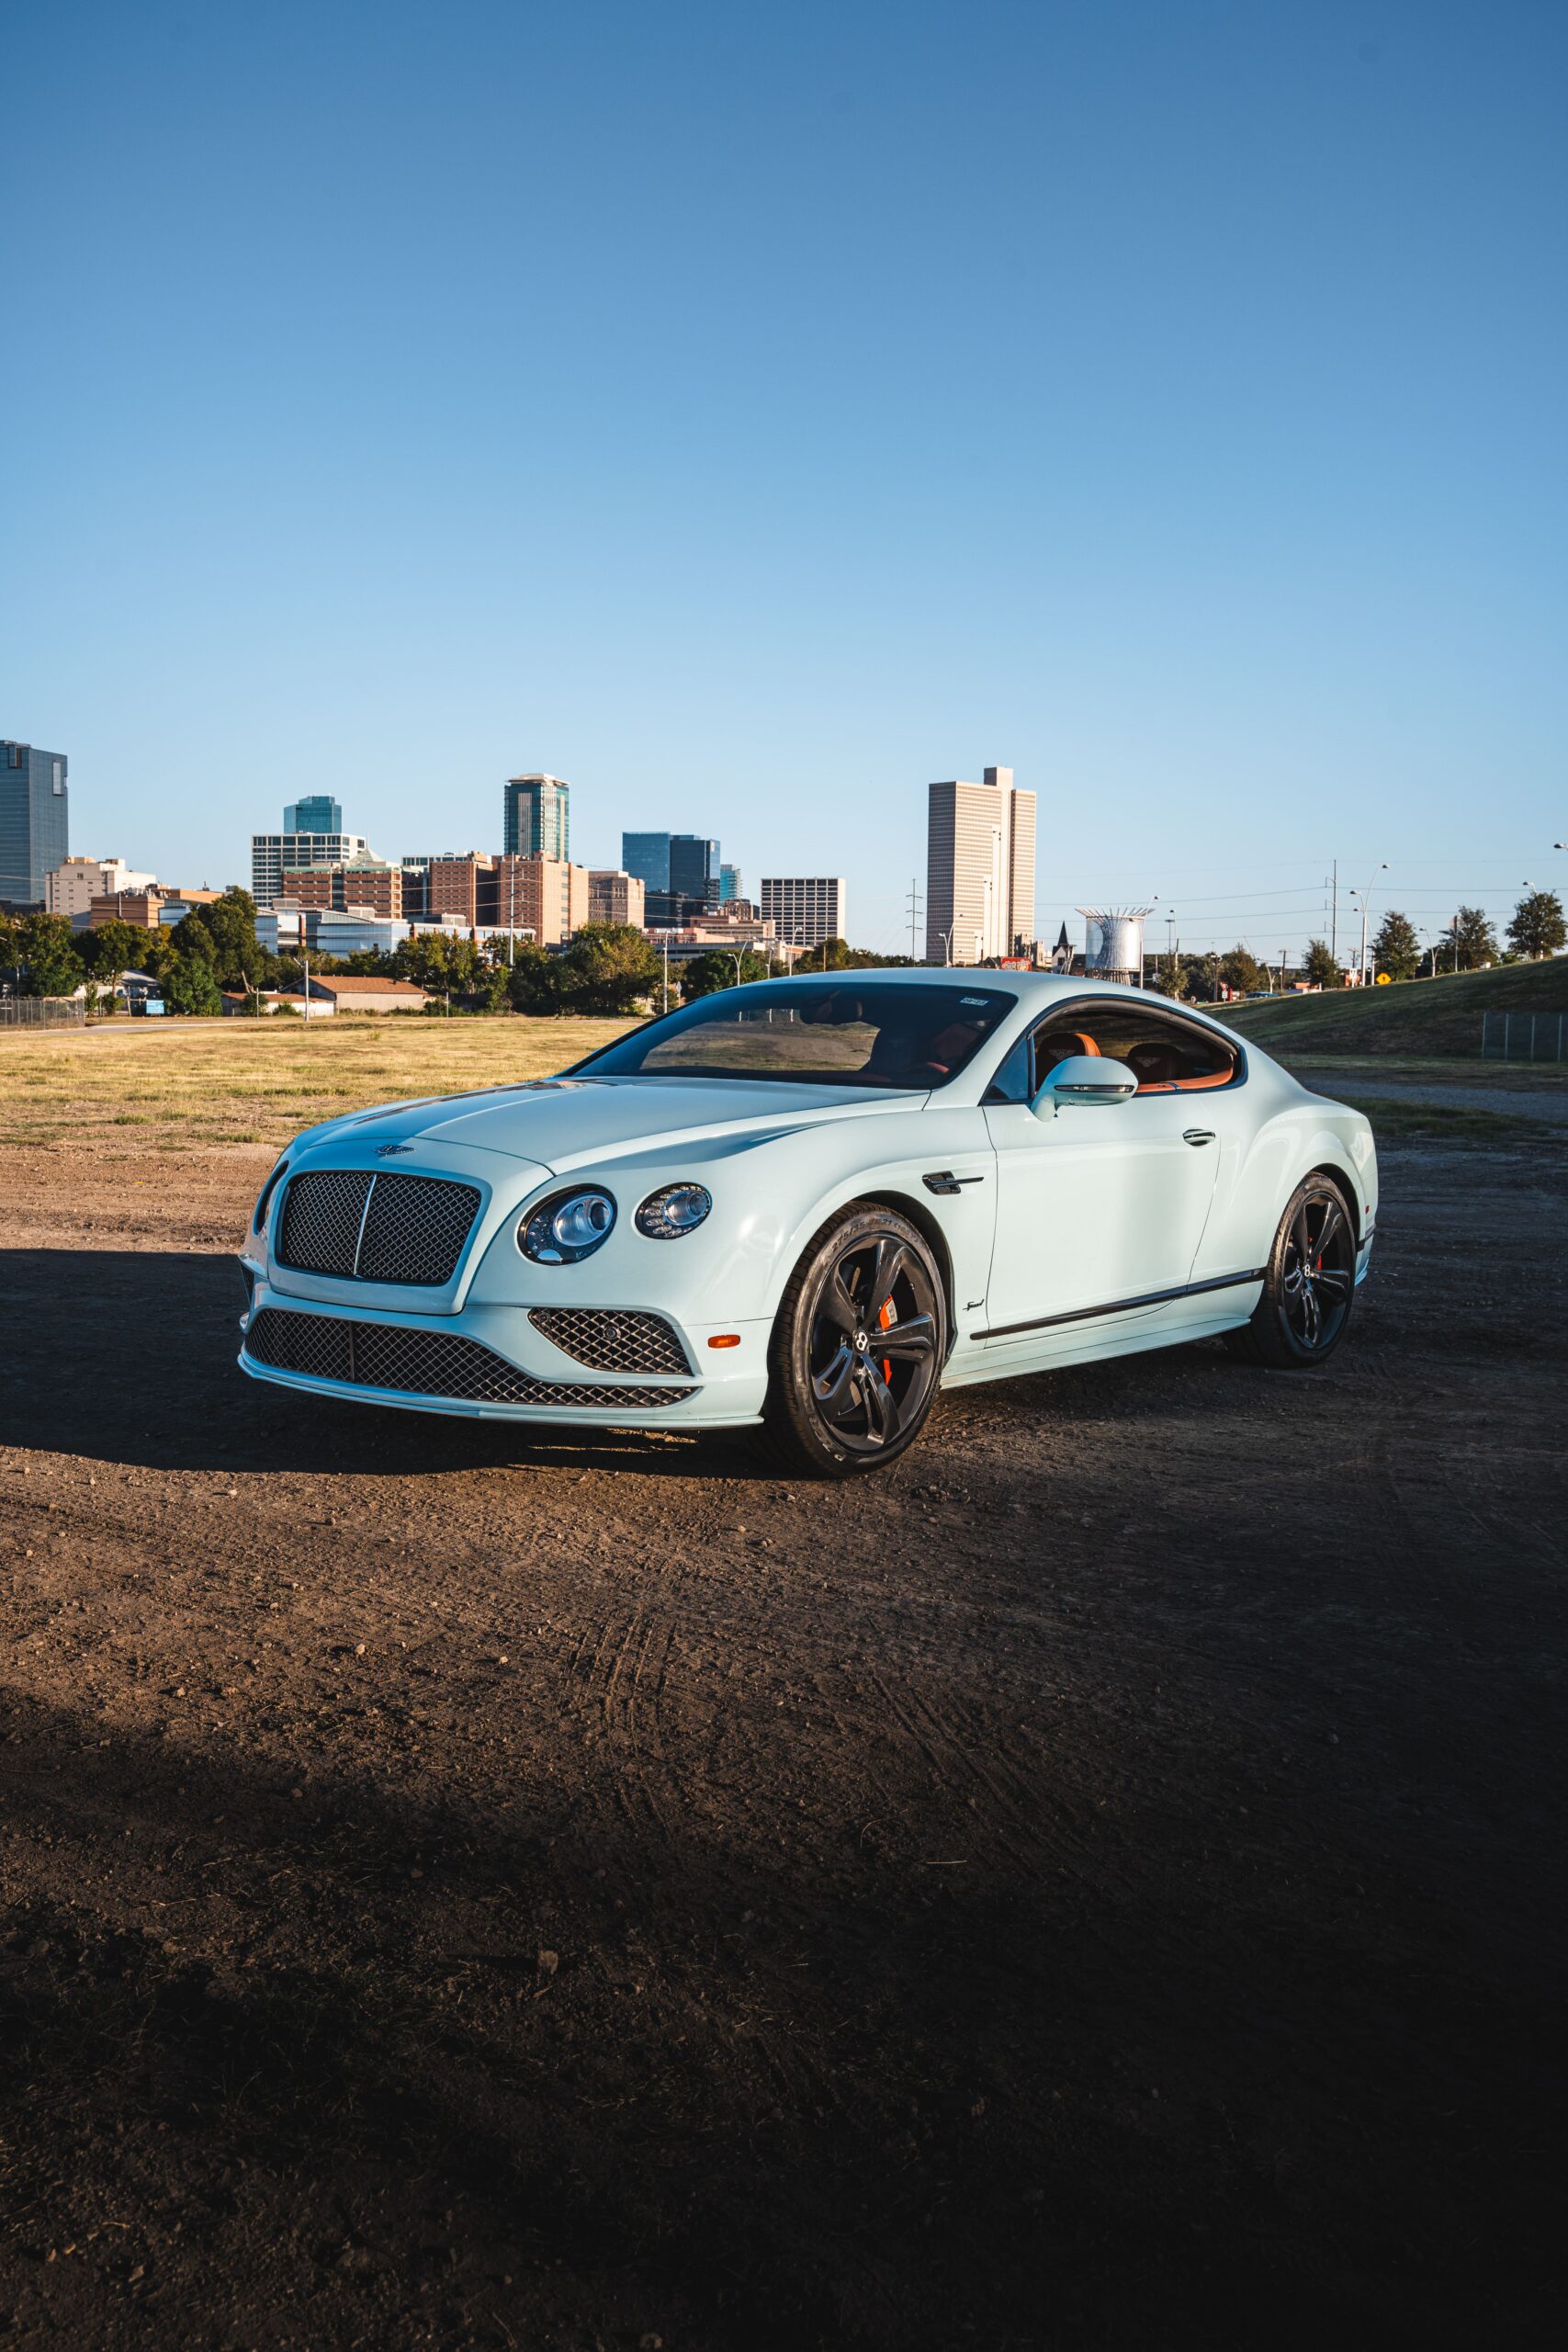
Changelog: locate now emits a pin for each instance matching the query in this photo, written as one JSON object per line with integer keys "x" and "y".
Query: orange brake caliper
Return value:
{"x": 885, "y": 1319}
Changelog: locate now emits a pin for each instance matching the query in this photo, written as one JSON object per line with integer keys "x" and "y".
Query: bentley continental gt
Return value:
{"x": 808, "y": 1205}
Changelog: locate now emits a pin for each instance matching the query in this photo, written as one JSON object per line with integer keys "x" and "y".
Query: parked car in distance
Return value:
{"x": 809, "y": 1204}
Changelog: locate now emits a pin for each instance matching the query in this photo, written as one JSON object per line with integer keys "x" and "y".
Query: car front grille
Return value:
{"x": 376, "y": 1227}
{"x": 611, "y": 1341}
{"x": 423, "y": 1363}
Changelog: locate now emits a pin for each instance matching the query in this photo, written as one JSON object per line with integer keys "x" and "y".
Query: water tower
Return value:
{"x": 1113, "y": 943}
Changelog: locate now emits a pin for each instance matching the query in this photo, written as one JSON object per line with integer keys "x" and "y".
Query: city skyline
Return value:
{"x": 1274, "y": 921}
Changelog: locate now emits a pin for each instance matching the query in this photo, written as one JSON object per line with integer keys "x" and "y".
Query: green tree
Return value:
{"x": 534, "y": 979}
{"x": 113, "y": 948}
{"x": 191, "y": 984}
{"x": 1241, "y": 970}
{"x": 237, "y": 956}
{"x": 609, "y": 968}
{"x": 705, "y": 974}
{"x": 1321, "y": 966}
{"x": 40, "y": 956}
{"x": 1537, "y": 928}
{"x": 1396, "y": 949}
{"x": 1172, "y": 976}
{"x": 837, "y": 955}
{"x": 1471, "y": 943}
{"x": 440, "y": 962}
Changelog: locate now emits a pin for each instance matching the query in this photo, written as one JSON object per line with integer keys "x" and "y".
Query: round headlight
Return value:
{"x": 567, "y": 1226}
{"x": 679, "y": 1208}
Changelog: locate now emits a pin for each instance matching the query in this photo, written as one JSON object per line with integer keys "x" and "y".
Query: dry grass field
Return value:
{"x": 193, "y": 1083}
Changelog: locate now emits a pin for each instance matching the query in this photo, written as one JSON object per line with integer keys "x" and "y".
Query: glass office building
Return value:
{"x": 319, "y": 814}
{"x": 647, "y": 856}
{"x": 538, "y": 818}
{"x": 35, "y": 833}
{"x": 694, "y": 867}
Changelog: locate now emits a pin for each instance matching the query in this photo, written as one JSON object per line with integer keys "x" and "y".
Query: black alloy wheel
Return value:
{"x": 1309, "y": 1286}
{"x": 858, "y": 1346}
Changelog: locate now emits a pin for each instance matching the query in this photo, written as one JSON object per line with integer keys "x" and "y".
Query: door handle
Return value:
{"x": 1197, "y": 1135}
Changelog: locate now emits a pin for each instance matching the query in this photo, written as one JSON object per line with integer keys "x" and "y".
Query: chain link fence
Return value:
{"x": 42, "y": 1013}
{"x": 1524, "y": 1037}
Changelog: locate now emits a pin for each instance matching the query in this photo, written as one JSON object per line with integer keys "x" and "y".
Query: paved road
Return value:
{"x": 1352, "y": 1086}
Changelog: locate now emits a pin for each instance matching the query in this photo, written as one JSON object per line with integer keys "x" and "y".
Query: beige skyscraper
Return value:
{"x": 979, "y": 870}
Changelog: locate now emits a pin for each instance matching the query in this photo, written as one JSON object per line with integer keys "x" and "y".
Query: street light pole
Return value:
{"x": 1365, "y": 897}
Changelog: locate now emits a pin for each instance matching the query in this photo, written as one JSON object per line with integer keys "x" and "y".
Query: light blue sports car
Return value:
{"x": 809, "y": 1203}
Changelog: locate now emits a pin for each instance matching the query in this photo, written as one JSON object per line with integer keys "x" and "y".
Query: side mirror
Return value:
{"x": 1084, "y": 1078}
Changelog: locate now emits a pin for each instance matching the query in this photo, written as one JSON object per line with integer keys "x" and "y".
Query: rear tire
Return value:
{"x": 1309, "y": 1287}
{"x": 857, "y": 1348}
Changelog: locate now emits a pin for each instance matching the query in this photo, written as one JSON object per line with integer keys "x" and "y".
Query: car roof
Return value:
{"x": 1034, "y": 988}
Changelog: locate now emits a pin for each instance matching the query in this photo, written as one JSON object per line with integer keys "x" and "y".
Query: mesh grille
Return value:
{"x": 320, "y": 1220}
{"x": 612, "y": 1342}
{"x": 413, "y": 1229}
{"x": 422, "y": 1364}
{"x": 416, "y": 1230}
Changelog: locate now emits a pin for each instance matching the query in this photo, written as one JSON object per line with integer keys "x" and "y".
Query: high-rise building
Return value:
{"x": 272, "y": 853}
{"x": 694, "y": 868}
{"x": 538, "y": 818}
{"x": 615, "y": 897}
{"x": 647, "y": 856}
{"x": 979, "y": 870}
{"x": 319, "y": 813}
{"x": 729, "y": 885}
{"x": 35, "y": 831}
{"x": 804, "y": 908}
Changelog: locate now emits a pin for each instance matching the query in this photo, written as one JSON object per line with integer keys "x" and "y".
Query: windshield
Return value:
{"x": 853, "y": 1032}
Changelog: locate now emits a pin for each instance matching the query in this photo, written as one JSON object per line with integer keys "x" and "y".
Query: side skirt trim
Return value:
{"x": 1123, "y": 1306}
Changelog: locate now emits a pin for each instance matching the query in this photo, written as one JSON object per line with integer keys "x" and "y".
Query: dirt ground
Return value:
{"x": 1099, "y": 1885}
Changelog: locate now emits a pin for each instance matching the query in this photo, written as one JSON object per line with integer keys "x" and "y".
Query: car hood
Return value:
{"x": 563, "y": 1124}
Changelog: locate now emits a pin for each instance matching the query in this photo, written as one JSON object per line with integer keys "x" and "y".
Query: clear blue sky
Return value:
{"x": 751, "y": 413}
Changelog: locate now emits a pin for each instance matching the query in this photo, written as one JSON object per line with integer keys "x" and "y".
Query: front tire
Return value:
{"x": 858, "y": 1347}
{"x": 1309, "y": 1287}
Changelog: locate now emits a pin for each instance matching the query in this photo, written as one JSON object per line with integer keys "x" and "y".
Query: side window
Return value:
{"x": 1167, "y": 1056}
{"x": 1012, "y": 1082}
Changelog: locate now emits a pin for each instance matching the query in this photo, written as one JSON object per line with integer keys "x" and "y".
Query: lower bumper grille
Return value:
{"x": 423, "y": 1363}
{"x": 615, "y": 1340}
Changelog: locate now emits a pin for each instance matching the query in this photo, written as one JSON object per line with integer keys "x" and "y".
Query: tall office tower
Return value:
{"x": 318, "y": 814}
{"x": 615, "y": 897}
{"x": 272, "y": 853}
{"x": 35, "y": 832}
{"x": 979, "y": 870}
{"x": 647, "y": 856}
{"x": 806, "y": 909}
{"x": 729, "y": 885}
{"x": 538, "y": 818}
{"x": 694, "y": 868}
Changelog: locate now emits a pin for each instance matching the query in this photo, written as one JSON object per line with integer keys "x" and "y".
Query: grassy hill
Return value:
{"x": 1439, "y": 1017}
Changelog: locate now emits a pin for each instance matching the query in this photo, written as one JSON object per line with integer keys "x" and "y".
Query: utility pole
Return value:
{"x": 1333, "y": 917}
{"x": 305, "y": 961}
{"x": 914, "y": 916}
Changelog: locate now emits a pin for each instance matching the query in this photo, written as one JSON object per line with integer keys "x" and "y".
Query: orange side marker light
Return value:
{"x": 724, "y": 1339}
